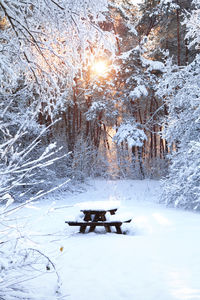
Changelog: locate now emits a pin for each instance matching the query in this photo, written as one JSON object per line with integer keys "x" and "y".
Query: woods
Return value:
{"x": 102, "y": 92}
{"x": 103, "y": 88}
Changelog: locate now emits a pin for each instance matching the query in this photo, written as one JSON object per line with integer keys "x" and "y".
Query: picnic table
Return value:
{"x": 99, "y": 213}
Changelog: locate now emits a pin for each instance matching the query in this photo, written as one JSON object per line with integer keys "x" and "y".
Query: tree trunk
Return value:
{"x": 140, "y": 162}
{"x": 178, "y": 36}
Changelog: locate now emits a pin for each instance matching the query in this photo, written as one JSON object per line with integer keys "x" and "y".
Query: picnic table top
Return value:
{"x": 120, "y": 217}
{"x": 98, "y": 205}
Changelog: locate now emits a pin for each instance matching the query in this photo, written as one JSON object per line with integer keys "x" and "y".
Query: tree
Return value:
{"x": 181, "y": 89}
{"x": 50, "y": 44}
{"x": 44, "y": 45}
{"x": 48, "y": 47}
{"x": 162, "y": 22}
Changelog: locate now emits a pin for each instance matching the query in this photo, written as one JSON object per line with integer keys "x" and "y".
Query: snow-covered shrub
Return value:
{"x": 132, "y": 135}
{"x": 86, "y": 161}
{"x": 23, "y": 152}
{"x": 182, "y": 186}
{"x": 19, "y": 269}
{"x": 83, "y": 159}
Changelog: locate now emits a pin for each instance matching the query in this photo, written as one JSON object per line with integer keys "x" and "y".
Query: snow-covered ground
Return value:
{"x": 158, "y": 258}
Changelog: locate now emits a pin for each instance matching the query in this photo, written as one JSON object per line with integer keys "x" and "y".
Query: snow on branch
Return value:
{"x": 130, "y": 133}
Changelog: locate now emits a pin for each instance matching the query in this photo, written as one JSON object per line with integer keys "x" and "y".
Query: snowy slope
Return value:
{"x": 158, "y": 258}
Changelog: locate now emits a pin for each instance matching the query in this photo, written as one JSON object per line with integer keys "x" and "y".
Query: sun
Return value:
{"x": 100, "y": 68}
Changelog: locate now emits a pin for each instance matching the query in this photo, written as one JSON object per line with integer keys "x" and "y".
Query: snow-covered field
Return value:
{"x": 158, "y": 258}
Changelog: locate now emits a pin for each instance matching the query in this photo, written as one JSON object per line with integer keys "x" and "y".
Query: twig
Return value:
{"x": 34, "y": 198}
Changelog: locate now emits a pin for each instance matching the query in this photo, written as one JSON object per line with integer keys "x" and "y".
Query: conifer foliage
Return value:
{"x": 181, "y": 90}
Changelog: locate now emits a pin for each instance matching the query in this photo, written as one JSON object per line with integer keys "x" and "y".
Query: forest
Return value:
{"x": 105, "y": 89}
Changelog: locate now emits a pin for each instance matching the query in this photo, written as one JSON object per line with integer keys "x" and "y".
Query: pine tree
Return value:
{"x": 181, "y": 89}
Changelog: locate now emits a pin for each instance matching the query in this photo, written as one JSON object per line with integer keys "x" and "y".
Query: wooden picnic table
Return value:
{"x": 96, "y": 216}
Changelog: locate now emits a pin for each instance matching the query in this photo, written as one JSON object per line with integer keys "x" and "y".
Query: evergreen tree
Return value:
{"x": 181, "y": 89}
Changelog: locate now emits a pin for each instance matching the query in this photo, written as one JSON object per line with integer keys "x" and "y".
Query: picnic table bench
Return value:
{"x": 98, "y": 215}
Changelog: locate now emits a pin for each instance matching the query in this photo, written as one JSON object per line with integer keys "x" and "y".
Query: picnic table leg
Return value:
{"x": 107, "y": 227}
{"x": 92, "y": 228}
{"x": 82, "y": 228}
{"x": 87, "y": 216}
{"x": 118, "y": 228}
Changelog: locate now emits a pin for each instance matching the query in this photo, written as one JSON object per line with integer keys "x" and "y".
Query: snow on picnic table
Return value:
{"x": 98, "y": 205}
{"x": 159, "y": 257}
